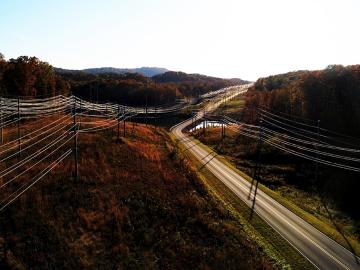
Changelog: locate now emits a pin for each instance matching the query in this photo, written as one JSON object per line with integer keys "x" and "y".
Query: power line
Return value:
{"x": 60, "y": 132}
{"x": 312, "y": 126}
{"x": 41, "y": 175}
{"x": 305, "y": 156}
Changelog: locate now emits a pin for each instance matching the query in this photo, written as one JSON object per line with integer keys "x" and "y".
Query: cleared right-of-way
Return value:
{"x": 319, "y": 249}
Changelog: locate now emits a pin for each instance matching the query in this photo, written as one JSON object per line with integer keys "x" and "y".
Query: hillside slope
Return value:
{"x": 135, "y": 206}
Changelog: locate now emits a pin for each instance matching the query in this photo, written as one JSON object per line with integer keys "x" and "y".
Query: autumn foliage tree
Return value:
{"x": 28, "y": 76}
{"x": 138, "y": 90}
{"x": 130, "y": 89}
{"x": 331, "y": 95}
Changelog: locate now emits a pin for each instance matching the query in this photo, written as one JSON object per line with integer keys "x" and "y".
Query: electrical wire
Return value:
{"x": 38, "y": 177}
{"x": 33, "y": 155}
{"x": 38, "y": 162}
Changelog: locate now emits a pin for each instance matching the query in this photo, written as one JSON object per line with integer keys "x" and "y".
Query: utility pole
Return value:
{"x": 75, "y": 142}
{"x": 1, "y": 123}
{"x": 290, "y": 103}
{"x": 18, "y": 130}
{"x": 155, "y": 109}
{"x": 97, "y": 93}
{"x": 222, "y": 130}
{"x": 118, "y": 125}
{"x": 204, "y": 125}
{"x": 317, "y": 155}
{"x": 146, "y": 110}
{"x": 155, "y": 120}
{"x": 133, "y": 129}
{"x": 58, "y": 105}
{"x": 91, "y": 90}
{"x": 258, "y": 164}
{"x": 124, "y": 121}
{"x": 203, "y": 121}
{"x": 80, "y": 115}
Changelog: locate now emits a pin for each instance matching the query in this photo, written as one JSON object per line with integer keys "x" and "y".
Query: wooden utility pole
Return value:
{"x": 118, "y": 125}
{"x": 80, "y": 115}
{"x": 222, "y": 130}
{"x": 75, "y": 142}
{"x": 317, "y": 155}
{"x": 18, "y": 130}
{"x": 203, "y": 126}
{"x": 146, "y": 110}
{"x": 1, "y": 123}
{"x": 155, "y": 119}
{"x": 124, "y": 121}
{"x": 258, "y": 164}
{"x": 256, "y": 172}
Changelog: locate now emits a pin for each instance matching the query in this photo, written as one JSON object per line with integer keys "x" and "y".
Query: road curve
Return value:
{"x": 320, "y": 250}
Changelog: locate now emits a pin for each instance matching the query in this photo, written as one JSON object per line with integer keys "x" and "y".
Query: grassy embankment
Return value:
{"x": 278, "y": 169}
{"x": 136, "y": 205}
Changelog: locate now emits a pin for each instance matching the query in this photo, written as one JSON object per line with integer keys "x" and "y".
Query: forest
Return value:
{"x": 29, "y": 76}
{"x": 136, "y": 89}
{"x": 331, "y": 96}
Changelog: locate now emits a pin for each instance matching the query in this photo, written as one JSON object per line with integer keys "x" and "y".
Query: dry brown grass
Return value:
{"x": 134, "y": 206}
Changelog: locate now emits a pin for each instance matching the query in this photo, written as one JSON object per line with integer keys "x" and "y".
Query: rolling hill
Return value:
{"x": 145, "y": 71}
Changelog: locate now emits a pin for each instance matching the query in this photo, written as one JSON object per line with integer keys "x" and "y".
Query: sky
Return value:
{"x": 245, "y": 39}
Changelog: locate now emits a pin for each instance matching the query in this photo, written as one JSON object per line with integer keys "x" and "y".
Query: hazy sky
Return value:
{"x": 246, "y": 39}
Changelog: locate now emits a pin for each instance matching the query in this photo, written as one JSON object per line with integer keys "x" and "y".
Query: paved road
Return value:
{"x": 319, "y": 249}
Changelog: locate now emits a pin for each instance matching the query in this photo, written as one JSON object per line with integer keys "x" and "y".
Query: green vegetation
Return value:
{"x": 136, "y": 205}
{"x": 232, "y": 108}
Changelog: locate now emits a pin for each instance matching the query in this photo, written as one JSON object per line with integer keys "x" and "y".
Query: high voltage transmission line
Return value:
{"x": 22, "y": 151}
{"x": 286, "y": 135}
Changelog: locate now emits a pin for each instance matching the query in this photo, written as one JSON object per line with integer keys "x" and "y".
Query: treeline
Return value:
{"x": 331, "y": 95}
{"x": 138, "y": 90}
{"x": 192, "y": 85}
{"x": 28, "y": 76}
{"x": 129, "y": 88}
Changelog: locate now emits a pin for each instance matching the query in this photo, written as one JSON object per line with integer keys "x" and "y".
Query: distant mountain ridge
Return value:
{"x": 145, "y": 71}
{"x": 156, "y": 73}
{"x": 181, "y": 77}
